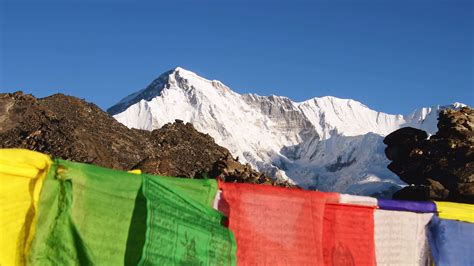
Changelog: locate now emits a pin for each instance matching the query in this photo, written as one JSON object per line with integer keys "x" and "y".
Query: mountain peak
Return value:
{"x": 183, "y": 72}
{"x": 325, "y": 143}
{"x": 152, "y": 90}
{"x": 192, "y": 76}
{"x": 177, "y": 77}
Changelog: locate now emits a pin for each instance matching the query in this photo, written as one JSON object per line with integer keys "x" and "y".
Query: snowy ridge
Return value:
{"x": 324, "y": 143}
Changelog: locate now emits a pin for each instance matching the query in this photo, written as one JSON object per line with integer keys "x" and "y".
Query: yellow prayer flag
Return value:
{"x": 21, "y": 177}
{"x": 455, "y": 211}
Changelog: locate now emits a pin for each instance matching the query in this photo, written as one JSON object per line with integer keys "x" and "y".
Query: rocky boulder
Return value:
{"x": 440, "y": 167}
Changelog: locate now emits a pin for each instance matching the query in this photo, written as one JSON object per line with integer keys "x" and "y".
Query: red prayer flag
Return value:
{"x": 273, "y": 225}
{"x": 348, "y": 235}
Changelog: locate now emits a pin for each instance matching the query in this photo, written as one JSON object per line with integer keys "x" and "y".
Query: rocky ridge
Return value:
{"x": 73, "y": 129}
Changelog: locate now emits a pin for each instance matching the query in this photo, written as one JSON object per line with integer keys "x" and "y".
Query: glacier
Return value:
{"x": 326, "y": 143}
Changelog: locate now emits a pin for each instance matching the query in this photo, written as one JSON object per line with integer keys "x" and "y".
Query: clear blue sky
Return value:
{"x": 393, "y": 56}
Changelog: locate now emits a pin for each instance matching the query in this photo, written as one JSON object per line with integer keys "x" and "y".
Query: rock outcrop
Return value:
{"x": 73, "y": 129}
{"x": 438, "y": 168}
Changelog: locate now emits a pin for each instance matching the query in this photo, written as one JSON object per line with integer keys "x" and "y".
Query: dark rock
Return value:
{"x": 438, "y": 168}
{"x": 404, "y": 135}
{"x": 420, "y": 193}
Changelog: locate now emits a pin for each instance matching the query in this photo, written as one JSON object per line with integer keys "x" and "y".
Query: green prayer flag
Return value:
{"x": 182, "y": 230}
{"x": 85, "y": 213}
{"x": 89, "y": 215}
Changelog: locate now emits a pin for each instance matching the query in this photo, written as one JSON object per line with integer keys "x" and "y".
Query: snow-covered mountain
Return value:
{"x": 325, "y": 143}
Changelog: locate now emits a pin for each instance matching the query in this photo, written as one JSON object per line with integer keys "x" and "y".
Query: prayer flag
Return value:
{"x": 21, "y": 177}
{"x": 455, "y": 211}
{"x": 451, "y": 242}
{"x": 182, "y": 230}
{"x": 400, "y": 238}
